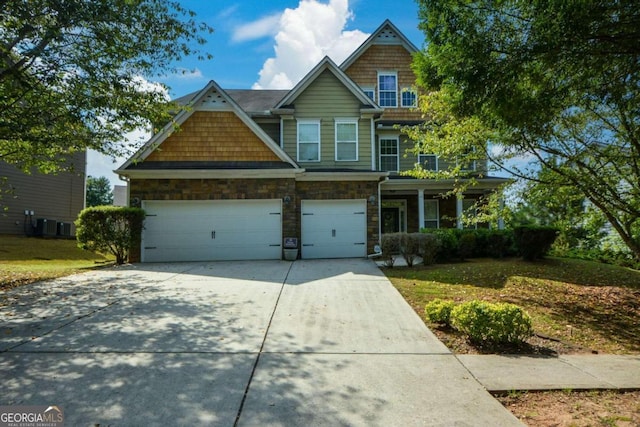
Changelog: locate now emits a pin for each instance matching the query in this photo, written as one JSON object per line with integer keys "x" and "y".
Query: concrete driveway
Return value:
{"x": 326, "y": 342}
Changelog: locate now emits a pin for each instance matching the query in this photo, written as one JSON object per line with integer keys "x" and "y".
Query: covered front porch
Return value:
{"x": 409, "y": 205}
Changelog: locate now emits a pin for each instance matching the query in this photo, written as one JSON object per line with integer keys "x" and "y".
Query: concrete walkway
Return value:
{"x": 256, "y": 343}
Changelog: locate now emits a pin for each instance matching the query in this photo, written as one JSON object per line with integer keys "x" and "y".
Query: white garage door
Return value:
{"x": 212, "y": 230}
{"x": 334, "y": 228}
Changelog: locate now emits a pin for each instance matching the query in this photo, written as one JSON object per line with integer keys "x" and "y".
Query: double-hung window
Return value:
{"x": 370, "y": 92}
{"x": 428, "y": 162}
{"x": 409, "y": 98}
{"x": 389, "y": 154}
{"x": 346, "y": 140}
{"x": 388, "y": 89}
{"x": 309, "y": 140}
{"x": 431, "y": 214}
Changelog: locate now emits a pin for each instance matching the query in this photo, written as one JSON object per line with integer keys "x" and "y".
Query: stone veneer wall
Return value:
{"x": 239, "y": 189}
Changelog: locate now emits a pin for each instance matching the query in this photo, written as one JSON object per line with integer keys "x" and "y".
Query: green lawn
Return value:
{"x": 28, "y": 259}
{"x": 592, "y": 305}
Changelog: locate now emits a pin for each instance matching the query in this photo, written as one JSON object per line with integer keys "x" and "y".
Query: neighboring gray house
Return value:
{"x": 26, "y": 200}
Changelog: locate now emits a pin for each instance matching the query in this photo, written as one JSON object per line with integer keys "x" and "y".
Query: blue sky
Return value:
{"x": 272, "y": 44}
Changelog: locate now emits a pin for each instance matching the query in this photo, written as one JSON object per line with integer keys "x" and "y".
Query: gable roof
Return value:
{"x": 387, "y": 34}
{"x": 328, "y": 65}
{"x": 211, "y": 98}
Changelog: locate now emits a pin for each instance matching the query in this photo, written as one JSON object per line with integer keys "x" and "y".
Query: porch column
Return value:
{"x": 500, "y": 218}
{"x": 420, "y": 209}
{"x": 459, "y": 223}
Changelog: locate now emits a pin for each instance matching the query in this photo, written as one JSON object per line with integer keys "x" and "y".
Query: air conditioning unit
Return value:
{"x": 46, "y": 227}
{"x": 64, "y": 229}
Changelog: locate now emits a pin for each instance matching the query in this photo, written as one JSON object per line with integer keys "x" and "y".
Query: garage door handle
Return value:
{"x": 333, "y": 233}
{"x": 308, "y": 244}
{"x": 359, "y": 243}
{"x": 213, "y": 234}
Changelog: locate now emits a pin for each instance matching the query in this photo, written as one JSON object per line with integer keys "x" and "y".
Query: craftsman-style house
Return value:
{"x": 319, "y": 163}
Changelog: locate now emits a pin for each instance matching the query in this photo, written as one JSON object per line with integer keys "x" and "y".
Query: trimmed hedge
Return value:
{"x": 534, "y": 242}
{"x": 485, "y": 322}
{"x": 390, "y": 245}
{"x": 111, "y": 229}
{"x": 439, "y": 311}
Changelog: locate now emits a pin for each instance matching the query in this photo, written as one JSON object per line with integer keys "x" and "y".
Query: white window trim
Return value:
{"x": 351, "y": 122}
{"x": 397, "y": 140}
{"x": 421, "y": 162}
{"x": 371, "y": 89}
{"x": 388, "y": 73}
{"x": 437, "y": 218}
{"x": 415, "y": 99}
{"x": 308, "y": 122}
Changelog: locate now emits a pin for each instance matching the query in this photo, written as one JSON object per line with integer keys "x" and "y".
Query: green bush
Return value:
{"x": 484, "y": 322}
{"x": 111, "y": 229}
{"x": 409, "y": 247}
{"x": 428, "y": 246}
{"x": 439, "y": 311}
{"x": 466, "y": 245}
{"x": 448, "y": 244}
{"x": 390, "y": 245}
{"x": 534, "y": 242}
{"x": 499, "y": 243}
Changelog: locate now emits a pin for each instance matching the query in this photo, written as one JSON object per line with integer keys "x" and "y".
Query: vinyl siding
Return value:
{"x": 326, "y": 99}
{"x": 54, "y": 197}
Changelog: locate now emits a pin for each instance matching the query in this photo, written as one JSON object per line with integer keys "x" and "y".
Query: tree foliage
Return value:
{"x": 73, "y": 73}
{"x": 554, "y": 84}
{"x": 99, "y": 191}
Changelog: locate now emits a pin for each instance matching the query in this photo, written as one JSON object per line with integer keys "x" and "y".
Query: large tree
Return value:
{"x": 99, "y": 191}
{"x": 73, "y": 73}
{"x": 554, "y": 82}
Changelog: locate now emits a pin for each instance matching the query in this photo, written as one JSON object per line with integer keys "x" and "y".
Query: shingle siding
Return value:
{"x": 218, "y": 135}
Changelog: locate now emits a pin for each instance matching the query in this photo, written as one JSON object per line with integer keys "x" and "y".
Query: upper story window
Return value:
{"x": 428, "y": 162}
{"x": 309, "y": 140}
{"x": 469, "y": 165}
{"x": 389, "y": 154}
{"x": 347, "y": 140}
{"x": 370, "y": 92}
{"x": 388, "y": 89}
{"x": 409, "y": 98}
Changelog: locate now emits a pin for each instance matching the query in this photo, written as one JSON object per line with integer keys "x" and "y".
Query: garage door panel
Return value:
{"x": 334, "y": 228}
{"x": 212, "y": 230}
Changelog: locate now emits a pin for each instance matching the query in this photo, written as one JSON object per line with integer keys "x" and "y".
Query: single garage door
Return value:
{"x": 212, "y": 230}
{"x": 334, "y": 228}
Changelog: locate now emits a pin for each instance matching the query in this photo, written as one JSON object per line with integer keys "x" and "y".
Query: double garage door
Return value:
{"x": 212, "y": 230}
{"x": 250, "y": 230}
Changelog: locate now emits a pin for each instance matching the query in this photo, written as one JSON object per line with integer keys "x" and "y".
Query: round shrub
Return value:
{"x": 439, "y": 311}
{"x": 484, "y": 322}
{"x": 428, "y": 246}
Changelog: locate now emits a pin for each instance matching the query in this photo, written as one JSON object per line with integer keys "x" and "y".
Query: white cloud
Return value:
{"x": 263, "y": 27}
{"x": 304, "y": 36}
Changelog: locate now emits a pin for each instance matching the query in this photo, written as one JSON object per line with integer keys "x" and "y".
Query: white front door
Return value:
{"x": 212, "y": 230}
{"x": 334, "y": 228}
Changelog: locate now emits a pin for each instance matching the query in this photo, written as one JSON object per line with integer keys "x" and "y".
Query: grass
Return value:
{"x": 588, "y": 304}
{"x": 26, "y": 259}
